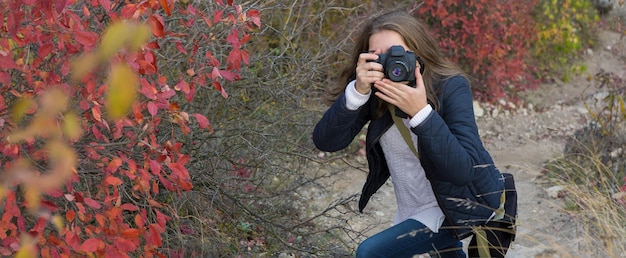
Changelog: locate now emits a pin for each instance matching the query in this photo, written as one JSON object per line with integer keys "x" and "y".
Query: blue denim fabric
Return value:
{"x": 409, "y": 238}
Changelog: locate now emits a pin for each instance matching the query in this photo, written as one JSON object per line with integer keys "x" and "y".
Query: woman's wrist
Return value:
{"x": 361, "y": 90}
{"x": 420, "y": 116}
{"x": 355, "y": 99}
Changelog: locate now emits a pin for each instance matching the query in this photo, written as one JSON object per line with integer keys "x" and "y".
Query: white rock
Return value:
{"x": 555, "y": 191}
{"x": 616, "y": 153}
{"x": 478, "y": 110}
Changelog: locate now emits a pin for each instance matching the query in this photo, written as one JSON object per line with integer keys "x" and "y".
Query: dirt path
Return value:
{"x": 520, "y": 141}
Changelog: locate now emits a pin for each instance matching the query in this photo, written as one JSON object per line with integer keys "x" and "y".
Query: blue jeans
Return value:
{"x": 409, "y": 238}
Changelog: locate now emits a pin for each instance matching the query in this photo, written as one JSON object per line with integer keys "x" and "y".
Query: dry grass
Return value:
{"x": 593, "y": 174}
{"x": 593, "y": 205}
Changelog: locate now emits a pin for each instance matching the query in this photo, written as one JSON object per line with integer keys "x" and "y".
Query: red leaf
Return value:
{"x": 86, "y": 38}
{"x": 161, "y": 218}
{"x": 154, "y": 235}
{"x": 91, "y": 245}
{"x": 166, "y": 183}
{"x": 234, "y": 59}
{"x": 152, "y": 108}
{"x": 124, "y": 245}
{"x": 147, "y": 89}
{"x": 233, "y": 38}
{"x": 78, "y": 197}
{"x": 129, "y": 207}
{"x": 203, "y": 121}
{"x": 216, "y": 73}
{"x": 228, "y": 75}
{"x": 97, "y": 114}
{"x": 183, "y": 86}
{"x": 13, "y": 23}
{"x": 45, "y": 50}
{"x": 5, "y": 78}
{"x": 97, "y": 133}
{"x": 114, "y": 165}
{"x": 180, "y": 48}
{"x": 245, "y": 56}
{"x": 167, "y": 93}
{"x": 166, "y": 7}
{"x": 155, "y": 167}
{"x": 154, "y": 203}
{"x": 6, "y": 62}
{"x": 219, "y": 87}
{"x": 70, "y": 215}
{"x": 217, "y": 16}
{"x": 72, "y": 239}
{"x": 86, "y": 11}
{"x": 93, "y": 203}
{"x": 139, "y": 221}
{"x": 106, "y": 4}
{"x": 245, "y": 38}
{"x": 60, "y": 5}
{"x": 178, "y": 170}
{"x": 130, "y": 233}
{"x": 255, "y": 17}
{"x": 156, "y": 25}
{"x": 114, "y": 181}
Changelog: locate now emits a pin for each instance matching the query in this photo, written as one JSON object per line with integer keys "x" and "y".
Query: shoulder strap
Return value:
{"x": 404, "y": 131}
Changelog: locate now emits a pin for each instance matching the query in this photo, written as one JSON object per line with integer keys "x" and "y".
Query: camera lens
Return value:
{"x": 397, "y": 71}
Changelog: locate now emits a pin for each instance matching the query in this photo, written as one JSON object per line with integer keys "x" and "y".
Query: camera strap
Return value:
{"x": 404, "y": 131}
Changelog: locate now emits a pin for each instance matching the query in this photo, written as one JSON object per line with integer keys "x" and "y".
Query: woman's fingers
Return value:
{"x": 367, "y": 72}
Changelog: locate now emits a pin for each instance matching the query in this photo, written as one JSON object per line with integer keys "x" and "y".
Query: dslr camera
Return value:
{"x": 399, "y": 65}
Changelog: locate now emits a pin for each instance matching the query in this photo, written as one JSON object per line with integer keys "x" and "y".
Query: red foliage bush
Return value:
{"x": 117, "y": 170}
{"x": 489, "y": 38}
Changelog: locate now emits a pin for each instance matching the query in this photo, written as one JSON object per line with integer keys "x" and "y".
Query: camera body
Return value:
{"x": 399, "y": 65}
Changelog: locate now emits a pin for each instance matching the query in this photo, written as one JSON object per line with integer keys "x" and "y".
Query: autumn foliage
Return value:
{"x": 90, "y": 120}
{"x": 490, "y": 39}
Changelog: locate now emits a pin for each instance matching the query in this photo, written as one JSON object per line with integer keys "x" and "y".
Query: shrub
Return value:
{"x": 252, "y": 175}
{"x": 91, "y": 125}
{"x": 489, "y": 39}
{"x": 593, "y": 171}
{"x": 566, "y": 28}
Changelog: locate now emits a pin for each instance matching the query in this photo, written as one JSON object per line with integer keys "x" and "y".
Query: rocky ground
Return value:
{"x": 520, "y": 140}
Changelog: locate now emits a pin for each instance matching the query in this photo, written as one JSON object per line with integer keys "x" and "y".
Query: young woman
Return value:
{"x": 451, "y": 183}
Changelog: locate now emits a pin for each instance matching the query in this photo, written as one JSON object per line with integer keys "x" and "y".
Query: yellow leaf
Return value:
{"x": 71, "y": 126}
{"x": 33, "y": 197}
{"x": 3, "y": 192}
{"x": 122, "y": 91}
{"x": 20, "y": 108}
{"x": 139, "y": 35}
{"x": 58, "y": 222}
{"x": 26, "y": 251}
{"x": 27, "y": 247}
{"x": 83, "y": 65}
{"x": 113, "y": 39}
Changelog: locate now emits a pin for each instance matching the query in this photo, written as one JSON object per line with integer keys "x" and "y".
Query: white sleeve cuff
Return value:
{"x": 421, "y": 116}
{"x": 354, "y": 99}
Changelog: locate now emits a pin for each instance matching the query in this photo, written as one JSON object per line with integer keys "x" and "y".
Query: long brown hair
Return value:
{"x": 417, "y": 38}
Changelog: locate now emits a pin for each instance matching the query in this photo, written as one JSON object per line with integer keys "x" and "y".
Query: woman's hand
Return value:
{"x": 368, "y": 72}
{"x": 408, "y": 99}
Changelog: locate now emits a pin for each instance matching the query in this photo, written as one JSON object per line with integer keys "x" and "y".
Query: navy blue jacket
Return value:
{"x": 467, "y": 184}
